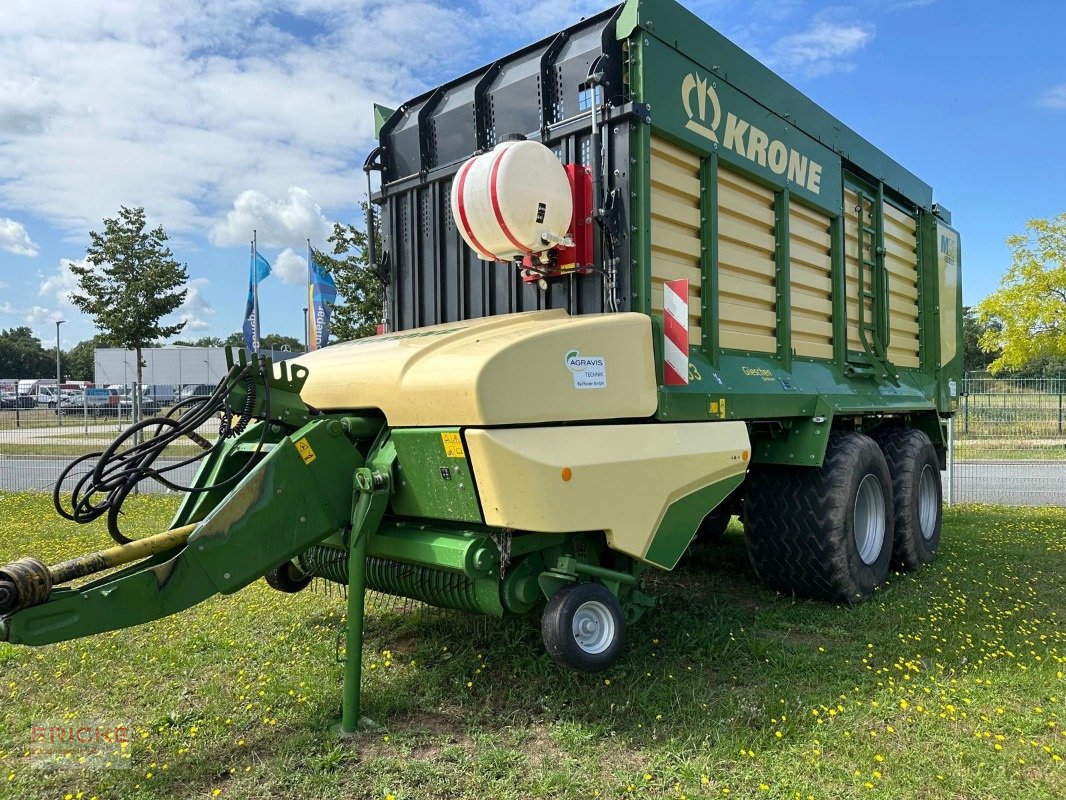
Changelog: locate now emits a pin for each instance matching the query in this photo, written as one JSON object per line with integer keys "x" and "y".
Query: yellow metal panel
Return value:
{"x": 666, "y": 205}
{"x": 948, "y": 271}
{"x": 758, "y": 210}
{"x": 731, "y": 284}
{"x": 811, "y": 268}
{"x": 676, "y": 247}
{"x": 747, "y": 267}
{"x": 519, "y": 475}
{"x": 733, "y": 339}
{"x": 501, "y": 370}
{"x": 668, "y": 176}
{"x": 813, "y": 280}
{"x": 675, "y": 239}
{"x": 666, "y": 151}
{"x": 756, "y": 320}
{"x": 813, "y": 303}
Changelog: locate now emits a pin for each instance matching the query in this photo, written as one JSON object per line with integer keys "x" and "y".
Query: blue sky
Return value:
{"x": 220, "y": 117}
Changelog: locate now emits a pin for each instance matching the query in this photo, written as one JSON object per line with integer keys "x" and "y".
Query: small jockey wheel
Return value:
{"x": 583, "y": 627}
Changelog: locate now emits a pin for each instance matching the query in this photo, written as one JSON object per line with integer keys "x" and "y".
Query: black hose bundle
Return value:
{"x": 117, "y": 472}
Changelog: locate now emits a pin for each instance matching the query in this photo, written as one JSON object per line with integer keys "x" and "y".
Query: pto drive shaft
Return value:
{"x": 28, "y": 581}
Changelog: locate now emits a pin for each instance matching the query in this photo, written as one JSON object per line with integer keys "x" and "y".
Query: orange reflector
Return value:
{"x": 744, "y": 455}
{"x": 567, "y": 473}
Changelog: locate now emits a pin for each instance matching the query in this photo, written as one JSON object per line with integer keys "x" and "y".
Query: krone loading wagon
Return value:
{"x": 636, "y": 284}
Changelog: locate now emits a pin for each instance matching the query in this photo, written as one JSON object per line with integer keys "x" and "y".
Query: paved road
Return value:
{"x": 1016, "y": 483}
{"x": 31, "y": 474}
{"x": 1022, "y": 483}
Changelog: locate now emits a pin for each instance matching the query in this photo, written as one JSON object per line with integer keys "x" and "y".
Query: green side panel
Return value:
{"x": 682, "y": 519}
{"x": 433, "y": 478}
{"x": 382, "y": 114}
{"x": 706, "y": 114}
{"x": 668, "y": 23}
{"x": 802, "y": 443}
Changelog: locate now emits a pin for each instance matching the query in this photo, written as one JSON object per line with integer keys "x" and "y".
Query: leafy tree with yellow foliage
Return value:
{"x": 1030, "y": 303}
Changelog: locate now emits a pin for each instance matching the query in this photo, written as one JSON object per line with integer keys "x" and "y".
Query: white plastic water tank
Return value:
{"x": 512, "y": 201}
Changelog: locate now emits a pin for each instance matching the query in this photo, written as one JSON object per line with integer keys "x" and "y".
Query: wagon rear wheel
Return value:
{"x": 823, "y": 532}
{"x": 918, "y": 496}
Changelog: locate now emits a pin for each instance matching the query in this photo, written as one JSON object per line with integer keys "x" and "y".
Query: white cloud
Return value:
{"x": 14, "y": 238}
{"x": 195, "y": 310}
{"x": 180, "y": 107}
{"x": 61, "y": 283}
{"x": 291, "y": 268}
{"x": 1053, "y": 98}
{"x": 823, "y": 48}
{"x": 38, "y": 315}
{"x": 278, "y": 222}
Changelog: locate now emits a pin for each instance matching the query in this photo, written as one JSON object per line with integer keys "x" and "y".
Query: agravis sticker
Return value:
{"x": 590, "y": 372}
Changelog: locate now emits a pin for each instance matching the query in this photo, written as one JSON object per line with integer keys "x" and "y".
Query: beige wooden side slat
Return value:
{"x": 759, "y": 320}
{"x": 745, "y": 206}
{"x": 675, "y": 240}
{"x": 730, "y": 180}
{"x": 671, "y": 269}
{"x": 797, "y": 209}
{"x": 802, "y": 301}
{"x": 661, "y": 148}
{"x": 669, "y": 207}
{"x": 901, "y": 219}
{"x": 812, "y": 326}
{"x": 808, "y": 232}
{"x": 812, "y": 349}
{"x": 738, "y": 340}
{"x": 812, "y": 279}
{"x": 811, "y": 256}
{"x": 746, "y": 259}
{"x": 739, "y": 285}
{"x": 670, "y": 177}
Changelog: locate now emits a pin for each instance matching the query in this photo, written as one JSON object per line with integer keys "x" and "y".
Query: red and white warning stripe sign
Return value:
{"x": 675, "y": 332}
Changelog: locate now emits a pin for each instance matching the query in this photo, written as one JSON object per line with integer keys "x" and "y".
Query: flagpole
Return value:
{"x": 255, "y": 284}
{"x": 310, "y": 302}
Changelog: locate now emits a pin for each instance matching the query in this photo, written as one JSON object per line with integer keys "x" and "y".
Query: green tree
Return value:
{"x": 358, "y": 310}
{"x": 975, "y": 359}
{"x": 131, "y": 282}
{"x": 80, "y": 360}
{"x": 235, "y": 339}
{"x": 203, "y": 341}
{"x": 275, "y": 341}
{"x": 23, "y": 356}
{"x": 1030, "y": 303}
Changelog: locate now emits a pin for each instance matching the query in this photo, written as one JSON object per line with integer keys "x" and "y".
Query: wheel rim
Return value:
{"x": 593, "y": 627}
{"x": 869, "y": 523}
{"x": 928, "y": 503}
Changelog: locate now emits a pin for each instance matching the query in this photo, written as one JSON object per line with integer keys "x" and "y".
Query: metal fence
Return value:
{"x": 1009, "y": 442}
{"x": 37, "y": 443}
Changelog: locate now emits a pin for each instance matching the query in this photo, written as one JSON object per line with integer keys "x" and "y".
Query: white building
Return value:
{"x": 167, "y": 366}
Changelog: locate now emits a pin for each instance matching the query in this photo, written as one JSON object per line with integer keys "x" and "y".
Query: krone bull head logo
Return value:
{"x": 697, "y": 117}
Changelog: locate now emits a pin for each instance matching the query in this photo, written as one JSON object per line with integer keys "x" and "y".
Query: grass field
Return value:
{"x": 949, "y": 684}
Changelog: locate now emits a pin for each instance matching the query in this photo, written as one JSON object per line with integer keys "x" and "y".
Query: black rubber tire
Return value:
{"x": 799, "y": 523}
{"x": 714, "y": 525}
{"x": 908, "y": 452}
{"x": 287, "y": 578}
{"x": 556, "y": 627}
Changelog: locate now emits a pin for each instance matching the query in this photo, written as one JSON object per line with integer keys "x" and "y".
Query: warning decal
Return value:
{"x": 303, "y": 447}
{"x": 453, "y": 445}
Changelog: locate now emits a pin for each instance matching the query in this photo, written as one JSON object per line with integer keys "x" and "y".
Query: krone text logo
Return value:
{"x": 704, "y": 112}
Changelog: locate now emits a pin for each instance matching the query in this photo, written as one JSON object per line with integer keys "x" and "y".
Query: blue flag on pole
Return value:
{"x": 322, "y": 294}
{"x": 258, "y": 269}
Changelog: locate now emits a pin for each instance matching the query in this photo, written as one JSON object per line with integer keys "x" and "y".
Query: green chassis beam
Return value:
{"x": 244, "y": 537}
